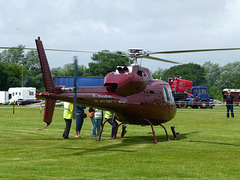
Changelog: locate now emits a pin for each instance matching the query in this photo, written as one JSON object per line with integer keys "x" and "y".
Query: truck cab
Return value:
{"x": 202, "y": 97}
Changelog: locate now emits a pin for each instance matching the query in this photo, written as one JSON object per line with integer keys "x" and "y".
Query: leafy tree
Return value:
{"x": 219, "y": 78}
{"x": 13, "y": 56}
{"x": 158, "y": 73}
{"x": 3, "y": 77}
{"x": 13, "y": 59}
{"x": 58, "y": 71}
{"x": 18, "y": 67}
{"x": 104, "y": 63}
{"x": 229, "y": 74}
{"x": 236, "y": 83}
{"x": 191, "y": 72}
{"x": 31, "y": 61}
{"x": 213, "y": 72}
{"x": 32, "y": 70}
{"x": 14, "y": 75}
{"x": 68, "y": 70}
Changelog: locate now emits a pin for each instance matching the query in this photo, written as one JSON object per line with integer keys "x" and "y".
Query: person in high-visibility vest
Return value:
{"x": 67, "y": 115}
{"x": 112, "y": 121}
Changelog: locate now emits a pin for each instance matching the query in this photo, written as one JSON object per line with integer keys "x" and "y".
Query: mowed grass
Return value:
{"x": 208, "y": 147}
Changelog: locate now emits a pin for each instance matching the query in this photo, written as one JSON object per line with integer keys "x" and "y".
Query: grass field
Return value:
{"x": 208, "y": 148}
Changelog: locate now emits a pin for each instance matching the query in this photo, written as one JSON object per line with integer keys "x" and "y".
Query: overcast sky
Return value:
{"x": 95, "y": 25}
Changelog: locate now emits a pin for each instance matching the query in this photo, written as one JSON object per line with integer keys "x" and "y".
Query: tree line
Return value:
{"x": 18, "y": 68}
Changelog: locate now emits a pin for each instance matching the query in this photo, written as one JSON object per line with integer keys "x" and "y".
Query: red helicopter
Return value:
{"x": 130, "y": 92}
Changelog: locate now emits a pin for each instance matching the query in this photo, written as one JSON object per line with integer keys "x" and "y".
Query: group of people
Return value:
{"x": 96, "y": 116}
{"x": 229, "y": 103}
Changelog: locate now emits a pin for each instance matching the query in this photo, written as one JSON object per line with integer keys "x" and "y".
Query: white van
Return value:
{"x": 21, "y": 94}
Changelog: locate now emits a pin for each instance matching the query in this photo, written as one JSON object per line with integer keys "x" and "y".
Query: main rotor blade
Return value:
{"x": 197, "y": 50}
{"x": 160, "y": 59}
{"x": 64, "y": 50}
{"x": 18, "y": 48}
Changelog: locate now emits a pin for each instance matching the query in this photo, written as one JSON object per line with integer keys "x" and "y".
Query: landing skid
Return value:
{"x": 175, "y": 134}
{"x": 115, "y": 133}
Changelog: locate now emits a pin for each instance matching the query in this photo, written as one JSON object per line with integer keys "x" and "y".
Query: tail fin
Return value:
{"x": 47, "y": 76}
{"x": 48, "y": 110}
{"x": 48, "y": 81}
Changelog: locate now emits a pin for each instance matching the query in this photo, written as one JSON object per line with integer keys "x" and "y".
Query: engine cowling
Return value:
{"x": 129, "y": 81}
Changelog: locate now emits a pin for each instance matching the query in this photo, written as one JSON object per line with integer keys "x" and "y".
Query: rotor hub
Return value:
{"x": 135, "y": 52}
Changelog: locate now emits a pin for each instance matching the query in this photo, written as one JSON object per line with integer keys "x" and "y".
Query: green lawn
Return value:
{"x": 208, "y": 148}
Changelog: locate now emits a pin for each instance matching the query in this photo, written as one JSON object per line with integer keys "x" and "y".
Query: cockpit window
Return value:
{"x": 165, "y": 95}
{"x": 170, "y": 95}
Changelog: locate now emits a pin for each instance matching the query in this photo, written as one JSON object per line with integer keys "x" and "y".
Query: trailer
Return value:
{"x": 22, "y": 95}
{"x": 3, "y": 97}
{"x": 235, "y": 93}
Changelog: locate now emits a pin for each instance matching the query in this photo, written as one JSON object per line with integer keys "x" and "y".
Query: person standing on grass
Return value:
{"x": 96, "y": 117}
{"x": 110, "y": 115}
{"x": 67, "y": 115}
{"x": 229, "y": 103}
{"x": 79, "y": 119}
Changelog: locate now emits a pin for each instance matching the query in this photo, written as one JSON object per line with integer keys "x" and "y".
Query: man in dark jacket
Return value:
{"x": 229, "y": 103}
{"x": 79, "y": 119}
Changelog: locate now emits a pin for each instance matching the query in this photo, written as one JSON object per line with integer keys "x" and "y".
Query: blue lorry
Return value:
{"x": 197, "y": 98}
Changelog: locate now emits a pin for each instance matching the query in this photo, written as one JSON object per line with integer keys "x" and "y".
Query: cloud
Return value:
{"x": 117, "y": 25}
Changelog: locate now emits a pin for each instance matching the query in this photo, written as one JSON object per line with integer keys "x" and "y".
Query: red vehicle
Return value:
{"x": 180, "y": 85}
{"x": 181, "y": 88}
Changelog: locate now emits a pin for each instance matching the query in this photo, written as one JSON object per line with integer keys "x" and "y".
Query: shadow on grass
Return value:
{"x": 216, "y": 143}
{"x": 123, "y": 143}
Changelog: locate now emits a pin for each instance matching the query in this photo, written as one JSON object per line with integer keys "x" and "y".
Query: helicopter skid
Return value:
{"x": 153, "y": 132}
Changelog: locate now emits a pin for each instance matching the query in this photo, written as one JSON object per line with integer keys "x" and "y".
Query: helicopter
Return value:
{"x": 130, "y": 92}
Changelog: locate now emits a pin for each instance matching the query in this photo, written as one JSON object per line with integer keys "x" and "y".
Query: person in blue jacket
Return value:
{"x": 79, "y": 119}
